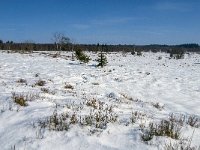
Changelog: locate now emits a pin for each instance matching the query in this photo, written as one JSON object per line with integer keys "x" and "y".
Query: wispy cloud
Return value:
{"x": 173, "y": 6}
{"x": 10, "y": 29}
{"x": 102, "y": 22}
{"x": 112, "y": 21}
{"x": 81, "y": 26}
{"x": 11, "y": 26}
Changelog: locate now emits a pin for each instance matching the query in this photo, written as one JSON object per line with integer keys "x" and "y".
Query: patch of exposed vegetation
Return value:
{"x": 23, "y": 81}
{"x": 68, "y": 86}
{"x": 40, "y": 83}
{"x": 163, "y": 128}
{"x": 20, "y": 99}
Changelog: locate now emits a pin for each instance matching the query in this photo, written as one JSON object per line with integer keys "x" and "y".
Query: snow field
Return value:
{"x": 127, "y": 94}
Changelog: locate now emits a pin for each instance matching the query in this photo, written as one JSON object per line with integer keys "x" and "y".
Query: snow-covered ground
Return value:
{"x": 148, "y": 87}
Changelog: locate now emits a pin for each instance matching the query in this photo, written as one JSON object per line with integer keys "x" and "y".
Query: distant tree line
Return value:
{"x": 63, "y": 43}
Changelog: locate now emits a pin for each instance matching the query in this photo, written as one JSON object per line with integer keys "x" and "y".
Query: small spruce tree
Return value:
{"x": 133, "y": 52}
{"x": 81, "y": 56}
{"x": 139, "y": 53}
{"x": 102, "y": 60}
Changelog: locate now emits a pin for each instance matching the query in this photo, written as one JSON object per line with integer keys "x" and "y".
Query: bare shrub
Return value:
{"x": 19, "y": 99}
{"x": 46, "y": 90}
{"x": 40, "y": 83}
{"x": 164, "y": 128}
{"x": 22, "y": 99}
{"x": 137, "y": 115}
{"x": 132, "y": 118}
{"x": 101, "y": 115}
{"x": 93, "y": 103}
{"x": 99, "y": 119}
{"x": 181, "y": 119}
{"x": 88, "y": 120}
{"x": 68, "y": 86}
{"x": 127, "y": 97}
{"x": 183, "y": 144}
{"x": 23, "y": 81}
{"x": 56, "y": 122}
{"x": 179, "y": 146}
{"x": 74, "y": 119}
{"x": 157, "y": 105}
{"x": 193, "y": 121}
{"x": 56, "y": 55}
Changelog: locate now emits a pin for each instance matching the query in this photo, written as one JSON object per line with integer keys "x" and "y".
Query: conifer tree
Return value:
{"x": 139, "y": 53}
{"x": 102, "y": 60}
{"x": 81, "y": 56}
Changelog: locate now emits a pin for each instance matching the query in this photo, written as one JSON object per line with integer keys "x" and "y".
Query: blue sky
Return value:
{"x": 102, "y": 21}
